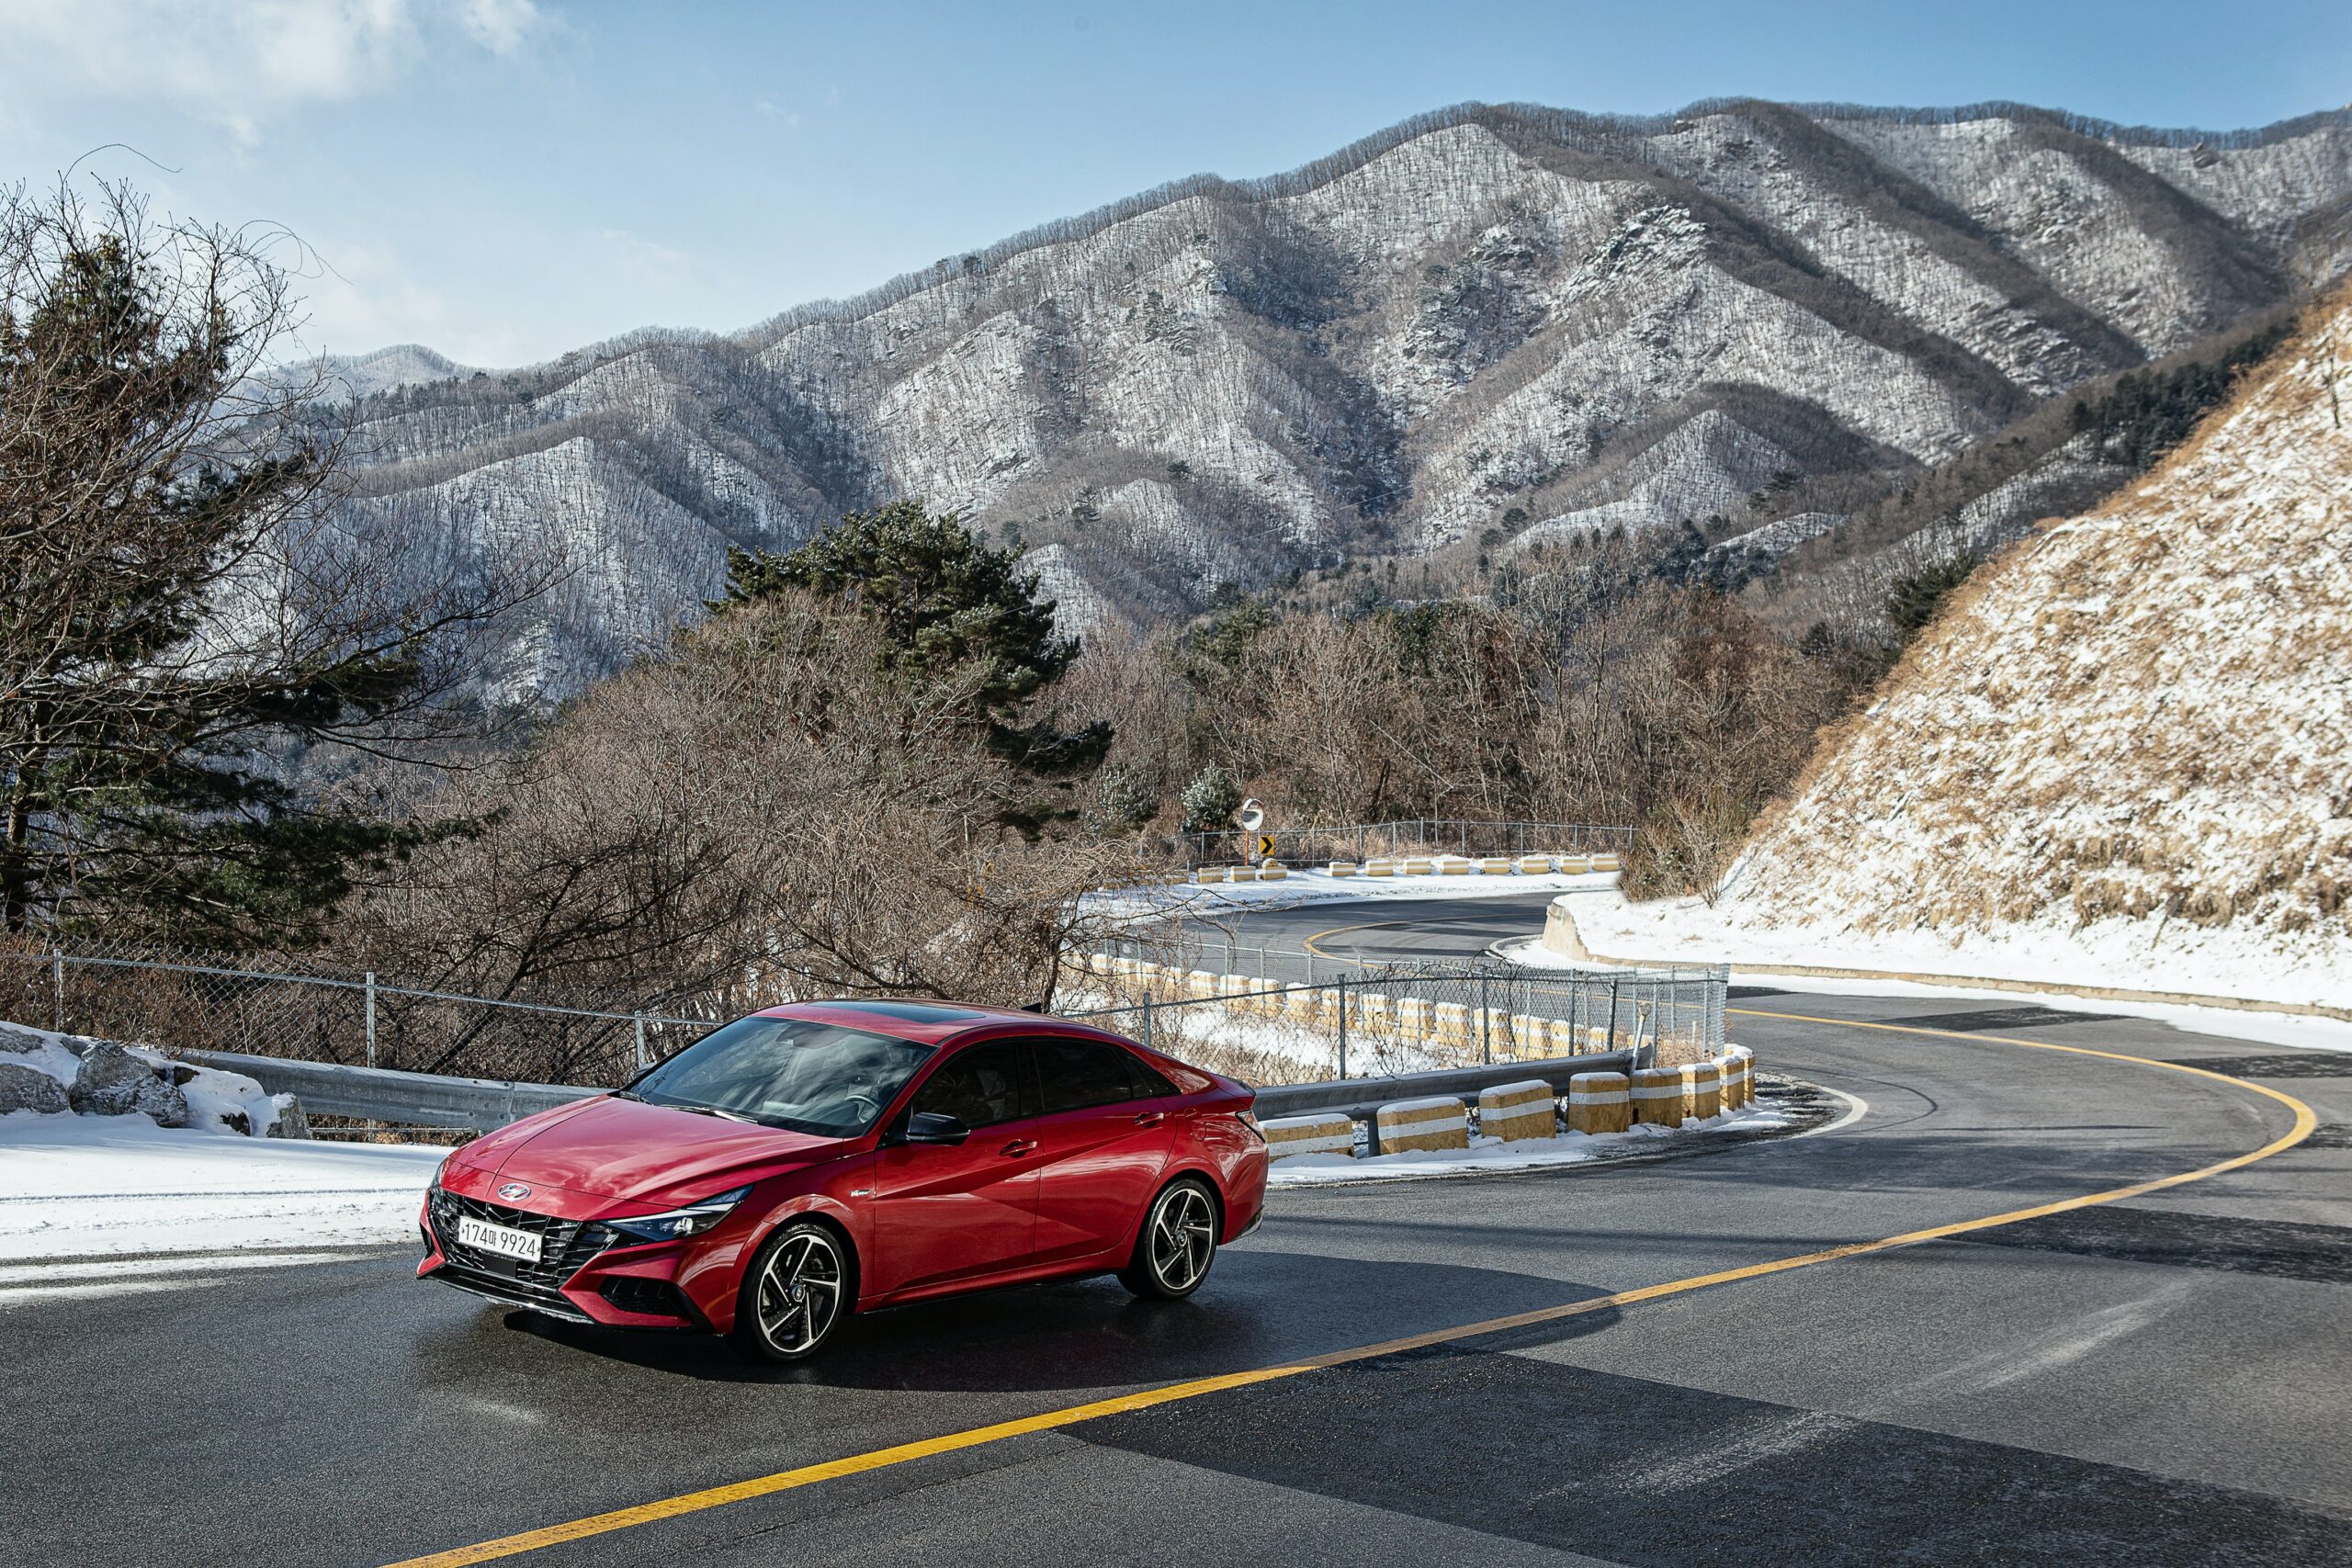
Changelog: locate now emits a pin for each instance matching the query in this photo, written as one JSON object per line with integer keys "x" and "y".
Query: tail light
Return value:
{"x": 1249, "y": 1119}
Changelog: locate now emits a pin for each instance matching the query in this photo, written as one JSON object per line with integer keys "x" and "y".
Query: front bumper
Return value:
{"x": 586, "y": 1272}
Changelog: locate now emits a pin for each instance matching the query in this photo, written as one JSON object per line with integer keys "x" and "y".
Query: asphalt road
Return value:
{"x": 2155, "y": 1381}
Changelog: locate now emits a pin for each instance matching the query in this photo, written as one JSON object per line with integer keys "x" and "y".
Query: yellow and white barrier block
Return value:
{"x": 1450, "y": 1024}
{"x": 1413, "y": 1021}
{"x": 1202, "y": 985}
{"x": 1604, "y": 863}
{"x": 1514, "y": 1112}
{"x": 1600, "y": 1102}
{"x": 1453, "y": 866}
{"x": 1656, "y": 1094}
{"x": 1534, "y": 865}
{"x": 1739, "y": 1078}
{"x": 1495, "y": 865}
{"x": 1439, "y": 1123}
{"x": 1413, "y": 865}
{"x": 1702, "y": 1085}
{"x": 1289, "y": 1135}
{"x": 1272, "y": 871}
{"x": 1376, "y": 868}
{"x": 1211, "y": 873}
{"x": 1344, "y": 868}
{"x": 1575, "y": 865}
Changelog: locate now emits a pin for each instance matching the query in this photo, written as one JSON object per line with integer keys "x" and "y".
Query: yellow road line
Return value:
{"x": 951, "y": 1442}
{"x": 1309, "y": 941}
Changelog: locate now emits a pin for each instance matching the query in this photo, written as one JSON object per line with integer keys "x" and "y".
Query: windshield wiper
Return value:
{"x": 713, "y": 1110}
{"x": 625, "y": 1094}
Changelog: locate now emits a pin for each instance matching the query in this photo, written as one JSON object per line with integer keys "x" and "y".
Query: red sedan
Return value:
{"x": 824, "y": 1159}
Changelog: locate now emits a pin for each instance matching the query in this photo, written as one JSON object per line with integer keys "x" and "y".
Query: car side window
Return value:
{"x": 1150, "y": 1083}
{"x": 1075, "y": 1074}
{"x": 981, "y": 1085}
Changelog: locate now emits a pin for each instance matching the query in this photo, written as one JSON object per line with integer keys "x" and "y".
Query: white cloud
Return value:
{"x": 770, "y": 109}
{"x": 238, "y": 62}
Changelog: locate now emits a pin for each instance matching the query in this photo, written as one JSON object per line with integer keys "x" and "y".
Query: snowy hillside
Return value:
{"x": 2126, "y": 754}
{"x": 1486, "y": 323}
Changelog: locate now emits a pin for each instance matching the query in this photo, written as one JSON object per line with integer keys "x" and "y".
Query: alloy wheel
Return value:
{"x": 1184, "y": 1239}
{"x": 799, "y": 1293}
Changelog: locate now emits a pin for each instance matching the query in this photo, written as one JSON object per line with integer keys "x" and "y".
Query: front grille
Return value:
{"x": 565, "y": 1246}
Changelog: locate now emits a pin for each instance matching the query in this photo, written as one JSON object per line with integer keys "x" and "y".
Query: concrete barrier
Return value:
{"x": 1453, "y": 866}
{"x": 1380, "y": 868}
{"x": 1450, "y": 1025}
{"x": 1656, "y": 1094}
{"x": 1575, "y": 865}
{"x": 1439, "y": 1122}
{"x": 1344, "y": 868}
{"x": 1211, "y": 873}
{"x": 1515, "y": 1111}
{"x": 1702, "y": 1084}
{"x": 1272, "y": 871}
{"x": 1289, "y": 1135}
{"x": 1496, "y": 865}
{"x": 1533, "y": 865}
{"x": 1413, "y": 865}
{"x": 1600, "y": 1102}
{"x": 1604, "y": 863}
{"x": 1739, "y": 1077}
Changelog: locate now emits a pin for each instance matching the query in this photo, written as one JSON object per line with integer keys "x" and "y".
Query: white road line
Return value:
{"x": 27, "y": 1295}
{"x": 15, "y": 1275}
{"x": 1856, "y": 1108}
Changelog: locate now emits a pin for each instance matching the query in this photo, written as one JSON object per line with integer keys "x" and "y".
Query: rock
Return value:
{"x": 290, "y": 1121}
{"x": 23, "y": 1089}
{"x": 112, "y": 1082}
{"x": 237, "y": 1122}
{"x": 182, "y": 1074}
{"x": 20, "y": 1039}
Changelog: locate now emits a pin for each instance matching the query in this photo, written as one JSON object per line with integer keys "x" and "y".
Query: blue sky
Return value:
{"x": 505, "y": 179}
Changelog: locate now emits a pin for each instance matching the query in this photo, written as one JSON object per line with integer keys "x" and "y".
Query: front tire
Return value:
{"x": 1178, "y": 1245}
{"x": 794, "y": 1294}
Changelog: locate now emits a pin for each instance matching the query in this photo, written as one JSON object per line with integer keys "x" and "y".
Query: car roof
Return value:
{"x": 925, "y": 1019}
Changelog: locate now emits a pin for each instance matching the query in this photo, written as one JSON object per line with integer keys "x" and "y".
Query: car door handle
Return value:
{"x": 1020, "y": 1146}
{"x": 1150, "y": 1118}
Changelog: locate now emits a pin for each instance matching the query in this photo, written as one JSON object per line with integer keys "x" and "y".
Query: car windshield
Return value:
{"x": 787, "y": 1072}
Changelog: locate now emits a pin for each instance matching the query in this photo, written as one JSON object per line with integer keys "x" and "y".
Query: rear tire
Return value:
{"x": 795, "y": 1294}
{"x": 1177, "y": 1242}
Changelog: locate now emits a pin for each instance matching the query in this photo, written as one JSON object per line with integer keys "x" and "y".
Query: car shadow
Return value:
{"x": 1259, "y": 1308}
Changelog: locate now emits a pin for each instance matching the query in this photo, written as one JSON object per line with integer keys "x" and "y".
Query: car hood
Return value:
{"x": 624, "y": 1148}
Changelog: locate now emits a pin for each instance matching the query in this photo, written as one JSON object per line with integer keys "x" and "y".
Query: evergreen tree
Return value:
{"x": 1210, "y": 800}
{"x": 944, "y": 600}
{"x": 167, "y": 641}
{"x": 1915, "y": 597}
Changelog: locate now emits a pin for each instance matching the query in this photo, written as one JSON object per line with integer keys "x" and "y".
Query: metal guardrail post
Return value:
{"x": 57, "y": 989}
{"x": 1613, "y": 982}
{"x": 639, "y": 1019}
{"x": 371, "y": 1018}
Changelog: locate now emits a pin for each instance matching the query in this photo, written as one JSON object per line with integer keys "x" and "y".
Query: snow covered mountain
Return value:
{"x": 2121, "y": 758}
{"x": 1502, "y": 324}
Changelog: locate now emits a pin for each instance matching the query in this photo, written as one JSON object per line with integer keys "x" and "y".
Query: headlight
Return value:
{"x": 692, "y": 1220}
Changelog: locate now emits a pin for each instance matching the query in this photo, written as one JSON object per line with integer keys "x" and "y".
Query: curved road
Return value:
{"x": 2157, "y": 1380}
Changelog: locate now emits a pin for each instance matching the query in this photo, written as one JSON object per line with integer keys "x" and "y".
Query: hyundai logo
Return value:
{"x": 514, "y": 1191}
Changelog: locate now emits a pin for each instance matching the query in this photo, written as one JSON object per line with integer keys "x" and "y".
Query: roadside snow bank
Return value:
{"x": 73, "y": 1186}
{"x": 44, "y": 1073}
{"x": 2184, "y": 962}
{"x": 1491, "y": 1156}
{"x": 1206, "y": 900}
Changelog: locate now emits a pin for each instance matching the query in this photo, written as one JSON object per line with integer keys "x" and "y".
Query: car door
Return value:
{"x": 1102, "y": 1140}
{"x": 949, "y": 1212}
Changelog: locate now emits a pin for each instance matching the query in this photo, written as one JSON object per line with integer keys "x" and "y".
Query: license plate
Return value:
{"x": 503, "y": 1240}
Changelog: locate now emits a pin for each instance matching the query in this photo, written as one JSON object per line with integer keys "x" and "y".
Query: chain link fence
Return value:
{"x": 1402, "y": 1018}
{"x": 121, "y": 993}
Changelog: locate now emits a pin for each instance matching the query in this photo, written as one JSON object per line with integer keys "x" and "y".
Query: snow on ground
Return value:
{"x": 2190, "y": 959}
{"x": 1487, "y": 1157}
{"x": 1681, "y": 931}
{"x": 1318, "y": 887}
{"x": 78, "y": 1186}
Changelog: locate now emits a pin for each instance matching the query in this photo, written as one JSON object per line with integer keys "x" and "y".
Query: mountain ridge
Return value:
{"x": 1454, "y": 331}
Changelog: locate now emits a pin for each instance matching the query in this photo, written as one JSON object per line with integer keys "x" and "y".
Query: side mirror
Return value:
{"x": 933, "y": 1127}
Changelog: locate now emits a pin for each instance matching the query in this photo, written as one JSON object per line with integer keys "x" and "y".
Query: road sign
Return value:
{"x": 1265, "y": 846}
